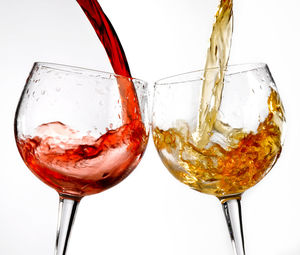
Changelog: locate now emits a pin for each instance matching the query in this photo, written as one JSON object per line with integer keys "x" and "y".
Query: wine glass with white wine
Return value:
{"x": 225, "y": 147}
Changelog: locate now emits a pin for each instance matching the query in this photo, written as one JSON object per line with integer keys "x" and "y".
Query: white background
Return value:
{"x": 150, "y": 212}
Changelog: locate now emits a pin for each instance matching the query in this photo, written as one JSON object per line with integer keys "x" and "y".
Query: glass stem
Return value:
{"x": 66, "y": 216}
{"x": 233, "y": 215}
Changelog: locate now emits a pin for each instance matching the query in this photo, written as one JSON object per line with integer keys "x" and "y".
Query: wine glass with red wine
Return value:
{"x": 81, "y": 132}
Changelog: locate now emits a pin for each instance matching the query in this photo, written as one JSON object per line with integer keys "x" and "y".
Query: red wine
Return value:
{"x": 108, "y": 37}
{"x": 83, "y": 166}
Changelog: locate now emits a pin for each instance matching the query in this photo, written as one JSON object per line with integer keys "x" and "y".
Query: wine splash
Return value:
{"x": 112, "y": 45}
{"x": 80, "y": 166}
{"x": 223, "y": 171}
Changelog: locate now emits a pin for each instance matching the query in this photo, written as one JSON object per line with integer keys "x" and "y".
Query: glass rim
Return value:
{"x": 244, "y": 68}
{"x": 81, "y": 70}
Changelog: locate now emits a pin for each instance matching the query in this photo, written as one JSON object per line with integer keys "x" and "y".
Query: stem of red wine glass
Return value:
{"x": 66, "y": 216}
{"x": 233, "y": 215}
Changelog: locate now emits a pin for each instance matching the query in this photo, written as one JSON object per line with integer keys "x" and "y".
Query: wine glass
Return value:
{"x": 242, "y": 136}
{"x": 81, "y": 132}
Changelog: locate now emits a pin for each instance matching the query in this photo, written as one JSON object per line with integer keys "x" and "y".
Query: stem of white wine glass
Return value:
{"x": 66, "y": 216}
{"x": 233, "y": 215}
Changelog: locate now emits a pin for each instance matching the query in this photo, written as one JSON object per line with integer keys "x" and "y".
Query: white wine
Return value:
{"x": 219, "y": 171}
{"x": 206, "y": 166}
{"x": 217, "y": 56}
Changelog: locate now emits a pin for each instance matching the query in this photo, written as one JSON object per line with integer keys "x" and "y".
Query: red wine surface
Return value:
{"x": 77, "y": 166}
